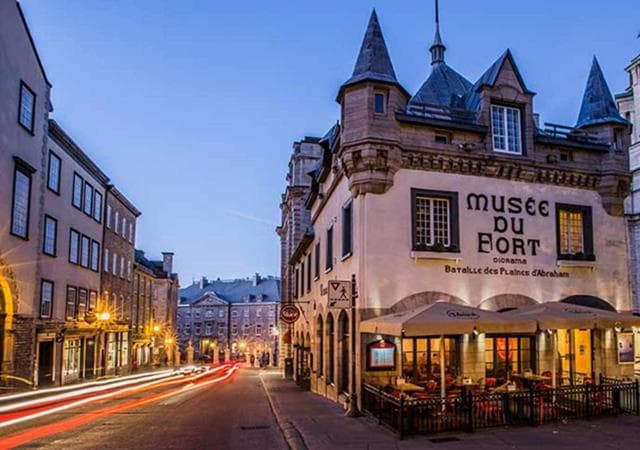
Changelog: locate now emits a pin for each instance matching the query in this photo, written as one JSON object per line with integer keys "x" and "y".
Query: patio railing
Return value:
{"x": 474, "y": 410}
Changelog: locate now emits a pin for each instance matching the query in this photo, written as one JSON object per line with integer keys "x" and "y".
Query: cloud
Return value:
{"x": 251, "y": 218}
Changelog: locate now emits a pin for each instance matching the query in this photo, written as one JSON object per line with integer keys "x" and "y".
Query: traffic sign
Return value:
{"x": 289, "y": 314}
{"x": 339, "y": 293}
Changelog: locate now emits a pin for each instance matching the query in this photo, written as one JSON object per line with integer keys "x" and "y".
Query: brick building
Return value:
{"x": 231, "y": 317}
{"x": 457, "y": 195}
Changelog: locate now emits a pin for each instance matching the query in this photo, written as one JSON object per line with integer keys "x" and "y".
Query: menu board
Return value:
{"x": 381, "y": 355}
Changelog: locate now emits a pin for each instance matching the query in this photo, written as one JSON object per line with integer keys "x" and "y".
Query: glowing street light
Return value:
{"x": 156, "y": 328}
{"x": 104, "y": 316}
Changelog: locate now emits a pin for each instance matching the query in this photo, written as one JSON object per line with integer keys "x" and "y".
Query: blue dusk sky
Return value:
{"x": 191, "y": 106}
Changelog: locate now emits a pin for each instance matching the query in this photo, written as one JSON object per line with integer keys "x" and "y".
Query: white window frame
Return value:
{"x": 431, "y": 239}
{"x": 504, "y": 133}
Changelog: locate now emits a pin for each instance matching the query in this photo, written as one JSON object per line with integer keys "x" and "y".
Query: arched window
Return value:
{"x": 320, "y": 337}
{"x": 343, "y": 333}
{"x": 589, "y": 301}
{"x": 331, "y": 349}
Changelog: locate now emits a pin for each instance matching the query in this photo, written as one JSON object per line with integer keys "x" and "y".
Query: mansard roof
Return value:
{"x": 373, "y": 63}
{"x": 444, "y": 86}
{"x": 598, "y": 106}
{"x": 233, "y": 291}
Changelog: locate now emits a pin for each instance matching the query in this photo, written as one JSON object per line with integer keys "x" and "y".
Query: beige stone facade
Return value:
{"x": 435, "y": 202}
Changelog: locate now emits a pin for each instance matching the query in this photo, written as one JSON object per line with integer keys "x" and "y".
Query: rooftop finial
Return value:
{"x": 437, "y": 48}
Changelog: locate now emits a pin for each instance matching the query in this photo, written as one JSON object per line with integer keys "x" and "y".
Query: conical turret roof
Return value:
{"x": 598, "y": 106}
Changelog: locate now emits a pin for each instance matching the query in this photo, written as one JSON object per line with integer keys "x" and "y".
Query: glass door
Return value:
{"x": 576, "y": 356}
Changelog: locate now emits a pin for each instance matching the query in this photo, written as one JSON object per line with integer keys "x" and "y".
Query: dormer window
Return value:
{"x": 379, "y": 103}
{"x": 506, "y": 127}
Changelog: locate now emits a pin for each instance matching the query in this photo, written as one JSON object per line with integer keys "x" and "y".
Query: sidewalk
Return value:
{"x": 320, "y": 424}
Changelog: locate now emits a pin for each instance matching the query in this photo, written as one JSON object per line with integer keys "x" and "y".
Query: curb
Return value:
{"x": 291, "y": 435}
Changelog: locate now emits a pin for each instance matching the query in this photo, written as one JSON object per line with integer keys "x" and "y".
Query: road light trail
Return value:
{"x": 34, "y": 409}
{"x": 40, "y": 432}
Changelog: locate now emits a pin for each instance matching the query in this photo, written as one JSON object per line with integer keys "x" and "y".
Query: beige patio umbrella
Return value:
{"x": 558, "y": 315}
{"x": 443, "y": 318}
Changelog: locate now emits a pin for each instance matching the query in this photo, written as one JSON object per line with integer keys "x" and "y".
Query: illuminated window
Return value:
{"x": 574, "y": 227}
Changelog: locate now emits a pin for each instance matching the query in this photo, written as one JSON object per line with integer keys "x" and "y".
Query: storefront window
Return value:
{"x": 111, "y": 350}
{"x": 421, "y": 358}
{"x": 71, "y": 359}
{"x": 124, "y": 350}
{"x": 507, "y": 355}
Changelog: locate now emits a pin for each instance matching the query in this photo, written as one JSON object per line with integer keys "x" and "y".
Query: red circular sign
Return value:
{"x": 289, "y": 314}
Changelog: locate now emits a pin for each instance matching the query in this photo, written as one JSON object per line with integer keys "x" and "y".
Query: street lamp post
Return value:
{"x": 352, "y": 410}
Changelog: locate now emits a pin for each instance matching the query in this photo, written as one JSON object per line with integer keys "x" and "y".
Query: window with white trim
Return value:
{"x": 507, "y": 129}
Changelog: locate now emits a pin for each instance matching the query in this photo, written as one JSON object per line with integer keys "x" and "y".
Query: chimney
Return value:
{"x": 167, "y": 262}
{"x": 204, "y": 282}
{"x": 256, "y": 279}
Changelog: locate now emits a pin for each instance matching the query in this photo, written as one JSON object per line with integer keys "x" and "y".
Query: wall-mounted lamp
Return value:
{"x": 475, "y": 332}
{"x": 618, "y": 327}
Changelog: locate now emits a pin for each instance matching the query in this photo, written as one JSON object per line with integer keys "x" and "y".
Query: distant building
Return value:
{"x": 155, "y": 302}
{"x": 239, "y": 315}
{"x": 629, "y": 107}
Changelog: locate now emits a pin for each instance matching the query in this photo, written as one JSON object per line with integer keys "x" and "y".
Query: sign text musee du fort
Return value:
{"x": 506, "y": 236}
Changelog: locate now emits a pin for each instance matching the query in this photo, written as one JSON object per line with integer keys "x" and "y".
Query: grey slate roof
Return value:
{"x": 444, "y": 86}
{"x": 373, "y": 61}
{"x": 234, "y": 291}
{"x": 598, "y": 106}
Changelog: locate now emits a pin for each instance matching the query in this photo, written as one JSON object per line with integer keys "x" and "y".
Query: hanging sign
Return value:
{"x": 289, "y": 314}
{"x": 339, "y": 293}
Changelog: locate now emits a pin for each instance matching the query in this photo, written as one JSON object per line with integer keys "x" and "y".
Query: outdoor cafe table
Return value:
{"x": 407, "y": 388}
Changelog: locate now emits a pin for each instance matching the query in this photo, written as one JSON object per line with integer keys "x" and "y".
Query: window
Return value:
{"x": 379, "y": 103}
{"x": 93, "y": 301}
{"x": 347, "y": 229}
{"x": 317, "y": 261}
{"x": 121, "y": 266}
{"x": 505, "y": 123}
{"x": 97, "y": 206}
{"x": 53, "y": 172}
{"x": 49, "y": 241}
{"x": 88, "y": 199}
{"x": 46, "y": 298}
{"x": 506, "y": 354}
{"x": 574, "y": 232}
{"x": 441, "y": 139}
{"x": 234, "y": 313}
{"x": 130, "y": 232}
{"x": 435, "y": 220}
{"x": 258, "y": 330}
{"x": 116, "y": 225}
{"x": 85, "y": 251}
{"x": 221, "y": 313}
{"x": 70, "y": 312}
{"x": 329, "y": 253}
{"x": 74, "y": 246}
{"x": 82, "y": 303}
{"x": 105, "y": 264}
{"x": 76, "y": 199}
{"x": 114, "y": 266}
{"x": 95, "y": 256}
{"x": 302, "y": 276}
{"x": 309, "y": 272}
{"x": 27, "y": 107}
{"x": 129, "y": 270}
{"x": 108, "y": 216}
{"x": 246, "y": 312}
{"x": 421, "y": 358}
{"x": 21, "y": 199}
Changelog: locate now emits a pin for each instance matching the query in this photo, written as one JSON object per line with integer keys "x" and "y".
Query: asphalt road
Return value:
{"x": 233, "y": 414}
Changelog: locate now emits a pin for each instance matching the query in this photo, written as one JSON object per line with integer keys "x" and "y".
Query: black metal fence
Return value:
{"x": 474, "y": 410}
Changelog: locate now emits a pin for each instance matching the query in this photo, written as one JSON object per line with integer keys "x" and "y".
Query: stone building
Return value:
{"x": 67, "y": 335}
{"x": 296, "y": 221}
{"x": 227, "y": 318}
{"x": 24, "y": 113}
{"x": 117, "y": 281}
{"x": 457, "y": 194}
{"x": 154, "y": 310}
{"x": 629, "y": 107}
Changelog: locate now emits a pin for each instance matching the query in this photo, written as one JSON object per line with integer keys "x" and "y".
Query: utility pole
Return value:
{"x": 352, "y": 410}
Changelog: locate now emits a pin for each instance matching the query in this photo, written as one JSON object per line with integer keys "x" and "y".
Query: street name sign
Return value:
{"x": 339, "y": 293}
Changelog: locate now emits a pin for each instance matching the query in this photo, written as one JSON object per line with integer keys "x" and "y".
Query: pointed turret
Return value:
{"x": 598, "y": 106}
{"x": 437, "y": 49}
{"x": 373, "y": 61}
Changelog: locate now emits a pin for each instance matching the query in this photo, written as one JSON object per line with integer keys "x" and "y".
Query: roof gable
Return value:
{"x": 493, "y": 73}
{"x": 209, "y": 299}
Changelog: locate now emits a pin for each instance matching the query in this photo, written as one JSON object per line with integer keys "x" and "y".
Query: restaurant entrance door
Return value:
{"x": 575, "y": 351}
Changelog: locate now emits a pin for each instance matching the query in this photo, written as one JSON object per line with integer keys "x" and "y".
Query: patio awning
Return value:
{"x": 558, "y": 315}
{"x": 443, "y": 318}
